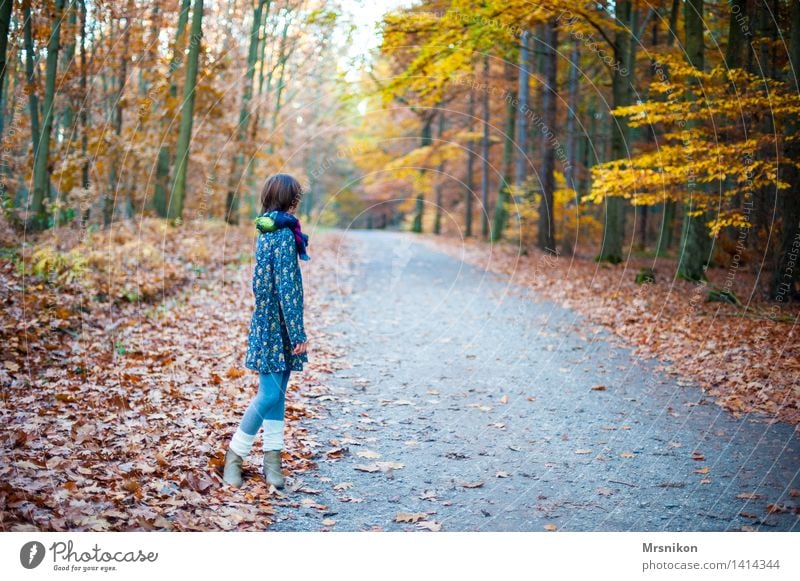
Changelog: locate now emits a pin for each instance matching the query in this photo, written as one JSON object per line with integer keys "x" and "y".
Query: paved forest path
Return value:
{"x": 485, "y": 396}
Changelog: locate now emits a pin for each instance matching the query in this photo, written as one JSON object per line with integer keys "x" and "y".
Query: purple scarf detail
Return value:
{"x": 276, "y": 219}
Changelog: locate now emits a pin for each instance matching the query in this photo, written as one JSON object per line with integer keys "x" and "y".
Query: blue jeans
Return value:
{"x": 269, "y": 402}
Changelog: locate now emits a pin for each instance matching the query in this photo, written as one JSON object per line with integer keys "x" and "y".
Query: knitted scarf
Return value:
{"x": 276, "y": 219}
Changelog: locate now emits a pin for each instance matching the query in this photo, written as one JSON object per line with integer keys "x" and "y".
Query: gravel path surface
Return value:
{"x": 470, "y": 400}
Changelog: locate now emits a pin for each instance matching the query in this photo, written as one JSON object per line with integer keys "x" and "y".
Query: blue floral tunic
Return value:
{"x": 277, "y": 321}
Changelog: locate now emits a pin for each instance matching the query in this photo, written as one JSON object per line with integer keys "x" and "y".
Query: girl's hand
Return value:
{"x": 300, "y": 348}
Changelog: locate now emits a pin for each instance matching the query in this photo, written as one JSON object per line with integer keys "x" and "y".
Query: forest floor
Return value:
{"x": 438, "y": 396}
{"x": 121, "y": 387}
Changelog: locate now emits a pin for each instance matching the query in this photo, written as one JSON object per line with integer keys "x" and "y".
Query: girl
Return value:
{"x": 277, "y": 341}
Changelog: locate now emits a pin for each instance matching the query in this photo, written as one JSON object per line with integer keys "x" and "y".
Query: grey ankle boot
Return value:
{"x": 233, "y": 468}
{"x": 272, "y": 468}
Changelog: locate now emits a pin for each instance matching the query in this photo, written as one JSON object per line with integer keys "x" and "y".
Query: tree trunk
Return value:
{"x": 485, "y": 152}
{"x": 546, "y": 233}
{"x": 501, "y": 208}
{"x": 469, "y": 182}
{"x": 416, "y": 225}
{"x": 232, "y": 213}
{"x": 587, "y": 148}
{"x": 163, "y": 161}
{"x": 254, "y": 126}
{"x": 30, "y": 73}
{"x": 41, "y": 160}
{"x": 668, "y": 214}
{"x": 641, "y": 232}
{"x": 84, "y": 116}
{"x": 570, "y": 171}
{"x": 503, "y": 195}
{"x": 151, "y": 52}
{"x": 737, "y": 41}
{"x": 178, "y": 193}
{"x": 113, "y": 185}
{"x": 282, "y": 58}
{"x": 176, "y": 61}
{"x": 68, "y": 118}
{"x": 437, "y": 222}
{"x": 787, "y": 273}
{"x": 5, "y": 24}
{"x": 614, "y": 223}
{"x": 572, "y": 116}
{"x": 523, "y": 91}
{"x": 695, "y": 244}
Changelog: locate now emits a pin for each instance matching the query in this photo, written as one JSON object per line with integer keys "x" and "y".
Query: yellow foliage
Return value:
{"x": 714, "y": 149}
{"x": 575, "y": 219}
{"x": 62, "y": 267}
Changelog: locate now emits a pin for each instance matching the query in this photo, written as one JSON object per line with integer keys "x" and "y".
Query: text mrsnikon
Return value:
{"x": 673, "y": 548}
{"x": 65, "y": 552}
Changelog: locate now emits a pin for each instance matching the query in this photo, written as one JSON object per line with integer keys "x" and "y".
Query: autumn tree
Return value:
{"x": 178, "y": 193}
{"x": 41, "y": 169}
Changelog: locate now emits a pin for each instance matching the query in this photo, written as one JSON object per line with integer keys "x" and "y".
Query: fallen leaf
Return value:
{"x": 583, "y": 451}
{"x": 410, "y": 516}
{"x": 199, "y": 483}
{"x": 550, "y": 527}
{"x": 599, "y": 388}
{"x": 343, "y": 486}
{"x": 328, "y": 522}
{"x": 369, "y": 454}
{"x": 473, "y": 484}
{"x": 131, "y": 485}
{"x": 367, "y": 467}
{"x": 704, "y": 470}
{"x": 749, "y": 495}
{"x": 311, "y": 503}
{"x": 773, "y": 508}
{"x": 504, "y": 399}
{"x": 627, "y": 454}
{"x": 93, "y": 523}
{"x": 430, "y": 525}
{"x": 307, "y": 490}
{"x": 384, "y": 466}
{"x": 380, "y": 466}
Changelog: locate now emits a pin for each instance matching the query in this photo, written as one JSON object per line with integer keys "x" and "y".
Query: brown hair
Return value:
{"x": 281, "y": 192}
